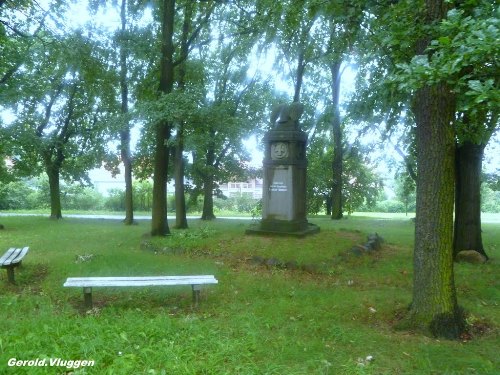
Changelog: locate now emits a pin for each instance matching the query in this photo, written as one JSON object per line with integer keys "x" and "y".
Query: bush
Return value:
{"x": 15, "y": 196}
{"x": 391, "y": 206}
{"x": 115, "y": 201}
{"x": 490, "y": 199}
{"x": 78, "y": 197}
{"x": 244, "y": 203}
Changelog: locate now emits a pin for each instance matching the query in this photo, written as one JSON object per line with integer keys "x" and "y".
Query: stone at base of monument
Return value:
{"x": 284, "y": 228}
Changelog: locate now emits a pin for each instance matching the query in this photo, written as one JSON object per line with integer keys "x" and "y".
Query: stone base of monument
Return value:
{"x": 283, "y": 228}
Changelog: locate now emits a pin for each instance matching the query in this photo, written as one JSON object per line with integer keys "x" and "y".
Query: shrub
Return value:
{"x": 78, "y": 197}
{"x": 392, "y": 206}
{"x": 115, "y": 201}
{"x": 14, "y": 195}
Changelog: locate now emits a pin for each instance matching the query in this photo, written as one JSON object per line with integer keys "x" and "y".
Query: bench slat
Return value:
{"x": 7, "y": 255}
{"x": 13, "y": 256}
{"x": 20, "y": 255}
{"x": 139, "y": 281}
{"x": 143, "y": 277}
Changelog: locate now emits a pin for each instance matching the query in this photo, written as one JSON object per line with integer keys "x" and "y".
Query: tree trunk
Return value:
{"x": 328, "y": 205}
{"x": 208, "y": 198}
{"x": 467, "y": 233}
{"x": 159, "y": 223}
{"x": 208, "y": 184}
{"x": 301, "y": 66}
{"x": 434, "y": 308}
{"x": 180, "y": 197}
{"x": 55, "y": 192}
{"x": 336, "y": 212}
{"x": 180, "y": 194}
{"x": 125, "y": 131}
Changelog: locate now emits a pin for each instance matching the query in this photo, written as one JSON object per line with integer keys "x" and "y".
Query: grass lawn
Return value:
{"x": 324, "y": 318}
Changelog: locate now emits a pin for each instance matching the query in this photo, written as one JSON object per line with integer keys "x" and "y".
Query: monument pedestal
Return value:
{"x": 284, "y": 185}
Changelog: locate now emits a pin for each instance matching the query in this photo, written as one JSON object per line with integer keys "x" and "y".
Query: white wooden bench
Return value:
{"x": 87, "y": 283}
{"x": 11, "y": 259}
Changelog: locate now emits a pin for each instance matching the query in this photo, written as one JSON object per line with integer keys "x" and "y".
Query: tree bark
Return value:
{"x": 159, "y": 223}
{"x": 208, "y": 183}
{"x": 208, "y": 198}
{"x": 336, "y": 212}
{"x": 180, "y": 197}
{"x": 467, "y": 232}
{"x": 55, "y": 191}
{"x": 125, "y": 131}
{"x": 434, "y": 308}
{"x": 328, "y": 204}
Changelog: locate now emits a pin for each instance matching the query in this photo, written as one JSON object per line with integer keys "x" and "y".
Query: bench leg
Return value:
{"x": 10, "y": 275}
{"x": 196, "y": 294}
{"x": 87, "y": 297}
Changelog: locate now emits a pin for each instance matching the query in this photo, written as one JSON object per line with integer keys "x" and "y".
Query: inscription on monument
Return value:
{"x": 278, "y": 186}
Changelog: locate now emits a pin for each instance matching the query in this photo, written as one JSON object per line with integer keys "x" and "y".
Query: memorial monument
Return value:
{"x": 284, "y": 185}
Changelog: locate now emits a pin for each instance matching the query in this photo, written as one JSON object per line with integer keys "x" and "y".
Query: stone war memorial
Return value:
{"x": 285, "y": 167}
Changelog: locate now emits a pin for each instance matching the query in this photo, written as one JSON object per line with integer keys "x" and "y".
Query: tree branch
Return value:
{"x": 221, "y": 155}
{"x": 48, "y": 111}
{"x": 10, "y": 73}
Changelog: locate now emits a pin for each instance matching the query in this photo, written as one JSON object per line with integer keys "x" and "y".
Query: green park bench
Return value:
{"x": 87, "y": 283}
{"x": 11, "y": 259}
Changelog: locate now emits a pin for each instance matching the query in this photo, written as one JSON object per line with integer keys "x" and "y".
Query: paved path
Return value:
{"x": 486, "y": 219}
{"x": 120, "y": 217}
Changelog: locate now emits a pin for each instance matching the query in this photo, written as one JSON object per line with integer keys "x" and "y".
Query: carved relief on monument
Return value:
{"x": 279, "y": 150}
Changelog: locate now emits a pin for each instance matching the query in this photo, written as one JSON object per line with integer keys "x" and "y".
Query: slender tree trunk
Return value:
{"x": 208, "y": 184}
{"x": 125, "y": 132}
{"x": 467, "y": 233}
{"x": 434, "y": 308}
{"x": 337, "y": 210}
{"x": 55, "y": 191}
{"x": 328, "y": 204}
{"x": 159, "y": 223}
{"x": 180, "y": 197}
{"x": 180, "y": 194}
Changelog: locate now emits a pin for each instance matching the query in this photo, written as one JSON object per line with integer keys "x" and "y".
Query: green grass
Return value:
{"x": 257, "y": 320}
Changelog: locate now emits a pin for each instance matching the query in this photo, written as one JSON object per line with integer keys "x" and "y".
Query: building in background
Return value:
{"x": 251, "y": 187}
{"x": 103, "y": 182}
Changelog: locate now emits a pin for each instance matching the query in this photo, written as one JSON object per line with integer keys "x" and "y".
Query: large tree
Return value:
{"x": 405, "y": 35}
{"x": 125, "y": 152}
{"x": 434, "y": 307}
{"x": 163, "y": 128}
{"x": 195, "y": 20}
{"x": 60, "y": 126}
